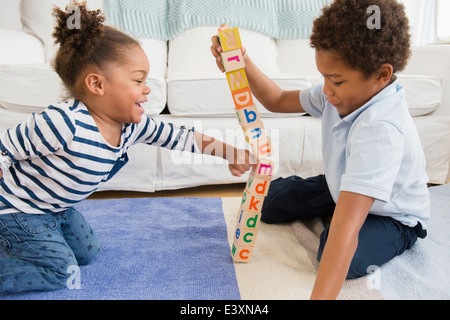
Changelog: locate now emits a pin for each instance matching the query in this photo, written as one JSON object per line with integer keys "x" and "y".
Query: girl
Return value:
{"x": 61, "y": 156}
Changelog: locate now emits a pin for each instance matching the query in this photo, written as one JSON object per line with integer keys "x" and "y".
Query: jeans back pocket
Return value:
{"x": 35, "y": 224}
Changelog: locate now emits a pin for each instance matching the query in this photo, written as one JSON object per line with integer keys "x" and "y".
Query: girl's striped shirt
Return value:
{"x": 58, "y": 158}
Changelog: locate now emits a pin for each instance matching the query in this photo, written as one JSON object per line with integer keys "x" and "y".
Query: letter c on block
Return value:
{"x": 241, "y": 254}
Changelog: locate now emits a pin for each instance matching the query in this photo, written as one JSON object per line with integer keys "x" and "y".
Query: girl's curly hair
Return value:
{"x": 343, "y": 28}
{"x": 92, "y": 43}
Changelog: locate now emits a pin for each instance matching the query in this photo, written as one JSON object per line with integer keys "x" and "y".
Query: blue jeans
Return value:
{"x": 380, "y": 238}
{"x": 41, "y": 252}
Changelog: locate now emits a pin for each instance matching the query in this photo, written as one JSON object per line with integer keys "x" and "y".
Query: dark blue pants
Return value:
{"x": 380, "y": 238}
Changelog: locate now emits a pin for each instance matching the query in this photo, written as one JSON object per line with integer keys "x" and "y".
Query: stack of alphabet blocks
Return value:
{"x": 256, "y": 135}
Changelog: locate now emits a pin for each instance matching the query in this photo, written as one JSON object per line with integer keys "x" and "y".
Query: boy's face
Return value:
{"x": 346, "y": 89}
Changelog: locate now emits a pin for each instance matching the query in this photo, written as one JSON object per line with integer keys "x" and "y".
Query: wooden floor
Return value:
{"x": 213, "y": 191}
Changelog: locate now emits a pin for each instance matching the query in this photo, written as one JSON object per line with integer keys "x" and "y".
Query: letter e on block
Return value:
{"x": 265, "y": 169}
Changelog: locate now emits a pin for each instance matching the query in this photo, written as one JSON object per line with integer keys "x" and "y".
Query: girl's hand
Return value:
{"x": 243, "y": 161}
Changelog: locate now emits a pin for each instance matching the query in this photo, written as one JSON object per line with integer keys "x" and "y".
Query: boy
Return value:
{"x": 375, "y": 183}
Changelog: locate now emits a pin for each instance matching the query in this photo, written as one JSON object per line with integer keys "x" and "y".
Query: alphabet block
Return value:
{"x": 256, "y": 136}
{"x": 262, "y": 148}
{"x": 254, "y": 131}
{"x": 233, "y": 60}
{"x": 248, "y": 116}
{"x": 251, "y": 202}
{"x": 241, "y": 253}
{"x": 242, "y": 98}
{"x": 264, "y": 169}
{"x": 248, "y": 219}
{"x": 230, "y": 39}
{"x": 237, "y": 80}
{"x": 247, "y": 113}
{"x": 245, "y": 237}
{"x": 257, "y": 185}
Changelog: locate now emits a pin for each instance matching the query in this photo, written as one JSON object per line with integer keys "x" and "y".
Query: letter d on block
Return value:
{"x": 242, "y": 98}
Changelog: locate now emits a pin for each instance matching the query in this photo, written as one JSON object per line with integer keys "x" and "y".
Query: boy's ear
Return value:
{"x": 386, "y": 72}
{"x": 95, "y": 84}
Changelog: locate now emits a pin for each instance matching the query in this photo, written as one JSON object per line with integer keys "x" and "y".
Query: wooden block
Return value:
{"x": 258, "y": 185}
{"x": 245, "y": 237}
{"x": 237, "y": 80}
{"x": 242, "y": 98}
{"x": 248, "y": 116}
{"x": 233, "y": 60}
{"x": 251, "y": 202}
{"x": 255, "y": 131}
{"x": 248, "y": 219}
{"x": 264, "y": 169}
{"x": 230, "y": 39}
{"x": 261, "y": 148}
{"x": 241, "y": 253}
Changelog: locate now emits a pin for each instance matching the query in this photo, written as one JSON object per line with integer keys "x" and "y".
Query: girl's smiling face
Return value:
{"x": 126, "y": 89}
{"x": 348, "y": 89}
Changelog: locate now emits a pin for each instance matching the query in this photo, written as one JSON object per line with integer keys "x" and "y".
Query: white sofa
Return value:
{"x": 186, "y": 84}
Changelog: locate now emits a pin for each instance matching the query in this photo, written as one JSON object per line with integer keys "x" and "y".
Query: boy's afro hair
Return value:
{"x": 344, "y": 29}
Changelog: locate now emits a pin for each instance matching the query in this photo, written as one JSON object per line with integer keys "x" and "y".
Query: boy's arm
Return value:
{"x": 349, "y": 216}
{"x": 271, "y": 96}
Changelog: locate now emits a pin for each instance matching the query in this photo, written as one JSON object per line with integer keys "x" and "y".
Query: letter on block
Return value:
{"x": 258, "y": 186}
{"x": 241, "y": 253}
{"x": 248, "y": 116}
{"x": 251, "y": 202}
{"x": 230, "y": 39}
{"x": 245, "y": 237}
{"x": 264, "y": 169}
{"x": 248, "y": 219}
{"x": 262, "y": 148}
{"x": 233, "y": 60}
{"x": 242, "y": 98}
{"x": 237, "y": 80}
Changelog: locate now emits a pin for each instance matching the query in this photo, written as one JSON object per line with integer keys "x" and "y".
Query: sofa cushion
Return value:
{"x": 19, "y": 47}
{"x": 42, "y": 87}
{"x": 196, "y": 87}
{"x": 423, "y": 93}
{"x": 37, "y": 19}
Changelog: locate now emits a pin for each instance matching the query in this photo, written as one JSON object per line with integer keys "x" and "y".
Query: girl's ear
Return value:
{"x": 95, "y": 84}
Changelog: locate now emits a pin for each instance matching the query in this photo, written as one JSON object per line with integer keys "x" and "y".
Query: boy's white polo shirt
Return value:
{"x": 374, "y": 151}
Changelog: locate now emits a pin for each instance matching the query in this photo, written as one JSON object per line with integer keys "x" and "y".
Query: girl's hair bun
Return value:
{"x": 84, "y": 41}
{"x": 78, "y": 29}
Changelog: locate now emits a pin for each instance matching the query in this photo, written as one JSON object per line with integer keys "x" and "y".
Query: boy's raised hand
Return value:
{"x": 216, "y": 48}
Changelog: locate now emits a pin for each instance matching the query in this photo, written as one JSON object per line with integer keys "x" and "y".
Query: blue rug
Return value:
{"x": 154, "y": 249}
